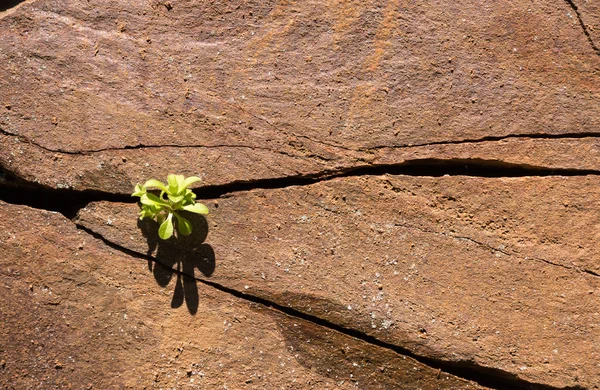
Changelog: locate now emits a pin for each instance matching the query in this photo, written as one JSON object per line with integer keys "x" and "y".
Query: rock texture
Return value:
{"x": 588, "y": 15}
{"x": 459, "y": 269}
{"x": 82, "y": 315}
{"x": 247, "y": 90}
{"x": 402, "y": 194}
{"x": 118, "y": 171}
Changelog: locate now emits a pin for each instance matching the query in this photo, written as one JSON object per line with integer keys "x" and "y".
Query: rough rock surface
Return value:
{"x": 118, "y": 171}
{"x": 82, "y": 315}
{"x": 410, "y": 186}
{"x": 588, "y": 15}
{"x": 499, "y": 272}
{"x": 250, "y": 90}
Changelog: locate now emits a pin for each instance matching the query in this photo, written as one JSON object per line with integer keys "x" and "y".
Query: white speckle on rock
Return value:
{"x": 385, "y": 324}
{"x": 304, "y": 219}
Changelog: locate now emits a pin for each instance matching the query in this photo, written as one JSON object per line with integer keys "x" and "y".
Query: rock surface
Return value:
{"x": 409, "y": 187}
{"x": 238, "y": 91}
{"x": 588, "y": 15}
{"x": 78, "y": 314}
{"x": 502, "y": 273}
{"x": 118, "y": 171}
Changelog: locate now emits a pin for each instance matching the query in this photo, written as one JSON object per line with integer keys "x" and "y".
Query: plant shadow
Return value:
{"x": 180, "y": 256}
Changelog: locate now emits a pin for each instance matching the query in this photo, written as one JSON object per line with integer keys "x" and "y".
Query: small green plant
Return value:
{"x": 174, "y": 196}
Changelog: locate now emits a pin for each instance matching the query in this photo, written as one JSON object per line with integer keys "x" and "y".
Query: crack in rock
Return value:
{"x": 468, "y": 370}
{"x": 139, "y": 146}
{"x": 489, "y": 139}
{"x": 499, "y": 250}
{"x": 31, "y": 191}
{"x": 583, "y": 26}
{"x": 359, "y": 149}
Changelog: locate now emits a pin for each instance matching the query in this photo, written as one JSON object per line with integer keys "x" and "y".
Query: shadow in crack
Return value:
{"x": 181, "y": 257}
{"x": 8, "y": 4}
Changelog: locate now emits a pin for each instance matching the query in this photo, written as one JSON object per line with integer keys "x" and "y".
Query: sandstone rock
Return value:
{"x": 118, "y": 171}
{"x": 76, "y": 313}
{"x": 499, "y": 273}
{"x": 250, "y": 90}
{"x": 588, "y": 15}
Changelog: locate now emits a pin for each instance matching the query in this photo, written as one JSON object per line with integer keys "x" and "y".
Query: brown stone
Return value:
{"x": 587, "y": 14}
{"x": 96, "y": 318}
{"x": 250, "y": 90}
{"x": 118, "y": 171}
{"x": 498, "y": 275}
{"x": 501, "y": 272}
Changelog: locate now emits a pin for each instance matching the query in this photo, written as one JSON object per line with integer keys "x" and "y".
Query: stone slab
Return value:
{"x": 240, "y": 91}
{"x": 501, "y": 273}
{"x": 76, "y": 313}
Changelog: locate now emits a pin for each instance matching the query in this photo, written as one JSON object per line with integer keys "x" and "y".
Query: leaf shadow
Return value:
{"x": 180, "y": 256}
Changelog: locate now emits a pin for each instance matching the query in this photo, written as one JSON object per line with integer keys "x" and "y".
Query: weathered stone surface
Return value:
{"x": 75, "y": 313}
{"x": 502, "y": 273}
{"x": 588, "y": 12}
{"x": 491, "y": 273}
{"x": 119, "y": 170}
{"x": 249, "y": 90}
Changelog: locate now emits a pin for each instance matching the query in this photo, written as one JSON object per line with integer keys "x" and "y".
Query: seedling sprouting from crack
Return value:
{"x": 178, "y": 197}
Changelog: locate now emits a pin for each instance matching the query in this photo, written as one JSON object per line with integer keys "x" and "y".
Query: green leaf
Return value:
{"x": 197, "y": 208}
{"x": 189, "y": 197}
{"x": 180, "y": 181}
{"x": 183, "y": 225}
{"x": 146, "y": 212}
{"x": 160, "y": 218}
{"x": 155, "y": 183}
{"x": 190, "y": 193}
{"x": 153, "y": 200}
{"x": 162, "y": 208}
{"x": 174, "y": 183}
{"x": 139, "y": 190}
{"x": 165, "y": 231}
{"x": 175, "y": 199}
{"x": 190, "y": 180}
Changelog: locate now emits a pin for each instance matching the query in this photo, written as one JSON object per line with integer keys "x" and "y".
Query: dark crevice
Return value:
{"x": 489, "y": 139}
{"x": 359, "y": 149}
{"x": 583, "y": 26}
{"x": 469, "y": 370}
{"x": 65, "y": 201}
{"x": 5, "y": 5}
{"x": 587, "y": 271}
{"x": 69, "y": 201}
{"x": 421, "y": 167}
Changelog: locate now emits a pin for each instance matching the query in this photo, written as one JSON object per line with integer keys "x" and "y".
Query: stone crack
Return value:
{"x": 499, "y": 250}
{"x": 140, "y": 146}
{"x": 488, "y": 139}
{"x": 583, "y": 26}
{"x": 468, "y": 370}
